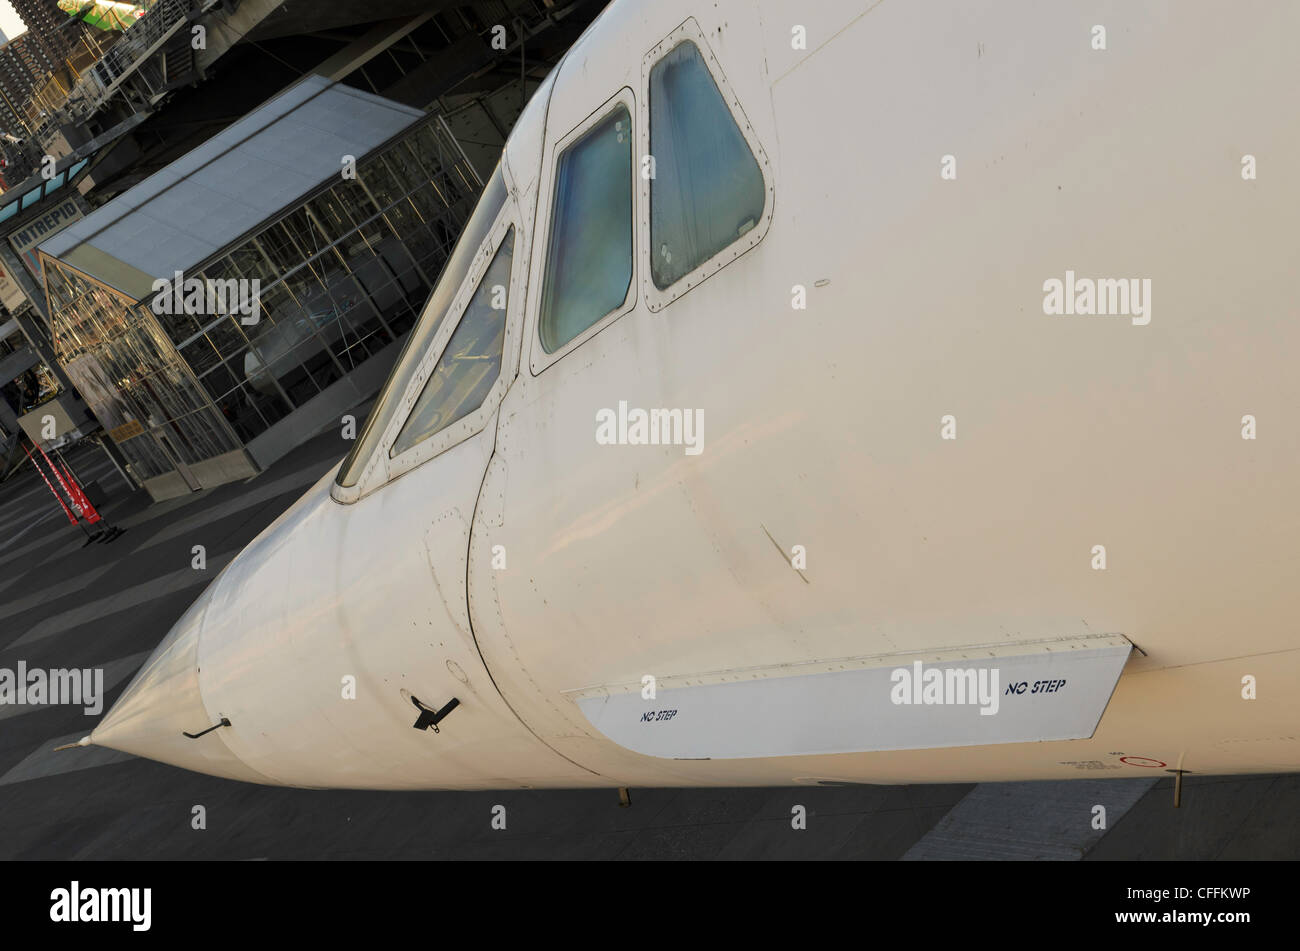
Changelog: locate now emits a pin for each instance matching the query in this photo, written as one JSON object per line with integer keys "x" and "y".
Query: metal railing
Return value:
{"x": 140, "y": 40}
{"x": 53, "y": 88}
{"x": 128, "y": 56}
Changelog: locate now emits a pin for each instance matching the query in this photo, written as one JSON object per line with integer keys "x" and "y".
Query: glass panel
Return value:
{"x": 125, "y": 365}
{"x": 453, "y": 275}
{"x": 589, "y": 256}
{"x": 471, "y": 361}
{"x": 708, "y": 188}
{"x": 247, "y": 262}
{"x": 340, "y": 283}
{"x": 290, "y": 347}
{"x": 382, "y": 181}
{"x": 357, "y": 321}
{"x": 277, "y": 245}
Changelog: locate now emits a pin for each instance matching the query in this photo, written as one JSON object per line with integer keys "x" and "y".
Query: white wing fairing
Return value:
{"x": 793, "y": 573}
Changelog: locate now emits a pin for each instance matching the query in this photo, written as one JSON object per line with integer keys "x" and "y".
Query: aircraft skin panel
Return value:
{"x": 282, "y": 631}
{"x": 998, "y": 526}
{"x": 1097, "y": 480}
{"x": 1014, "y": 694}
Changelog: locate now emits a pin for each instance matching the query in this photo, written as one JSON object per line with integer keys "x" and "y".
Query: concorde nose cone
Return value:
{"x": 163, "y": 703}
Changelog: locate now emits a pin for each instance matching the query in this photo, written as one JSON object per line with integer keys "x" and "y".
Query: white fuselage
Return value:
{"x": 530, "y": 568}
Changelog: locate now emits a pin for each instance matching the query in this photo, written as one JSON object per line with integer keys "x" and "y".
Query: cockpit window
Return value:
{"x": 708, "y": 189}
{"x": 471, "y": 361}
{"x": 589, "y": 255}
{"x": 417, "y": 344}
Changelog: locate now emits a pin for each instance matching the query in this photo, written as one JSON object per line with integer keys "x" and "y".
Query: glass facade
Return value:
{"x": 118, "y": 357}
{"x": 343, "y": 274}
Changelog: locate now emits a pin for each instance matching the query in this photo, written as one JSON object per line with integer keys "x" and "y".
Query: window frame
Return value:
{"x": 656, "y": 299}
{"x": 473, "y": 423}
{"x": 381, "y": 469}
{"x": 539, "y": 359}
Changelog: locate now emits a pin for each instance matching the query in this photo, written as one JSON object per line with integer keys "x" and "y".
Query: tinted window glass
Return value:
{"x": 471, "y": 361}
{"x": 476, "y": 230}
{"x": 589, "y": 255}
{"x": 708, "y": 188}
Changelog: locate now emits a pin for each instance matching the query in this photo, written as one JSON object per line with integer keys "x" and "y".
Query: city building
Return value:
{"x": 127, "y": 109}
{"x": 313, "y": 229}
{"x": 44, "y": 22}
{"x": 32, "y": 384}
{"x": 19, "y": 378}
{"x": 24, "y": 64}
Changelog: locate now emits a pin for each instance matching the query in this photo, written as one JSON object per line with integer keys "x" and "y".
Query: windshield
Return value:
{"x": 422, "y": 334}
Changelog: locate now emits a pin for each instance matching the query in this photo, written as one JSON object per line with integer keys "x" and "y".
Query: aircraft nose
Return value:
{"x": 163, "y": 703}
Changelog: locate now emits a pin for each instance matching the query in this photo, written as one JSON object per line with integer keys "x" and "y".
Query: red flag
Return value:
{"x": 79, "y": 499}
{"x": 57, "y": 475}
{"x": 66, "y": 511}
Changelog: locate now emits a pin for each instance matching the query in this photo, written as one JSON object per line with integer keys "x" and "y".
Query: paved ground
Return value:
{"x": 64, "y": 605}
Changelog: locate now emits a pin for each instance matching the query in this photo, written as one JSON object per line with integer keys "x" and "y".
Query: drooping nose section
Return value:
{"x": 163, "y": 703}
{"x": 313, "y": 643}
{"x": 231, "y": 657}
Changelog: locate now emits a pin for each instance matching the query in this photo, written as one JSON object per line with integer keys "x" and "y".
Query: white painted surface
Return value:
{"x": 850, "y": 708}
{"x": 822, "y": 425}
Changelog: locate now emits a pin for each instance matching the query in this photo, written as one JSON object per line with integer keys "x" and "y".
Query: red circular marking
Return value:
{"x": 1149, "y": 763}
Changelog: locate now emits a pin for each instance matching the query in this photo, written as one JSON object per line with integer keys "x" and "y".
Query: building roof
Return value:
{"x": 221, "y": 191}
